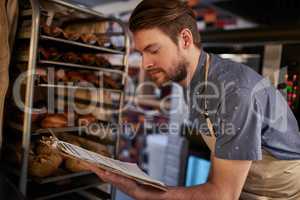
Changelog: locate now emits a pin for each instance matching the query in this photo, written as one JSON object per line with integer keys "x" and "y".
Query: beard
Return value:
{"x": 180, "y": 71}
{"x": 177, "y": 73}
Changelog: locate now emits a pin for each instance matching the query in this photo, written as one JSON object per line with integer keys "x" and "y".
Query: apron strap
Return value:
{"x": 206, "y": 67}
{"x": 209, "y": 140}
{"x": 206, "y": 115}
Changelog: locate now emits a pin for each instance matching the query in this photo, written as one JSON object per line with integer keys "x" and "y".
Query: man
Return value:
{"x": 253, "y": 135}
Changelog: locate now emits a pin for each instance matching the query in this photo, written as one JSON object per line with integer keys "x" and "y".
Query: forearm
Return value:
{"x": 206, "y": 191}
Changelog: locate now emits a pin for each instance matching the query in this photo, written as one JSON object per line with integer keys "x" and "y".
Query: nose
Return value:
{"x": 147, "y": 63}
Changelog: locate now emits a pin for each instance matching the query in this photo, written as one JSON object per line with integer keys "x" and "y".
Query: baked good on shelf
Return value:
{"x": 54, "y": 121}
{"x": 49, "y": 54}
{"x": 102, "y": 61}
{"x": 92, "y": 79}
{"x": 89, "y": 38}
{"x": 88, "y": 59}
{"x": 87, "y": 26}
{"x": 44, "y": 165}
{"x": 45, "y": 161}
{"x": 71, "y": 57}
{"x": 53, "y": 31}
{"x": 75, "y": 76}
{"x": 85, "y": 120}
{"x": 71, "y": 35}
{"x": 36, "y": 115}
{"x": 103, "y": 40}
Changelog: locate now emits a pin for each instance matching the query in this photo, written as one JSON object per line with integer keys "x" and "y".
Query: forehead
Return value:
{"x": 145, "y": 37}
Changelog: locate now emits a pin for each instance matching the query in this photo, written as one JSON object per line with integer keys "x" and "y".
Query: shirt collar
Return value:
{"x": 197, "y": 76}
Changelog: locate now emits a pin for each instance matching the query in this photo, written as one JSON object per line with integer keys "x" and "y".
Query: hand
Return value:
{"x": 126, "y": 185}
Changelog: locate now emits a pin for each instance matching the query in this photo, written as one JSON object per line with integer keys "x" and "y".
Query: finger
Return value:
{"x": 94, "y": 168}
{"x": 124, "y": 184}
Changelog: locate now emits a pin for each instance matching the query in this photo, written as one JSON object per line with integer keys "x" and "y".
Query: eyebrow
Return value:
{"x": 147, "y": 47}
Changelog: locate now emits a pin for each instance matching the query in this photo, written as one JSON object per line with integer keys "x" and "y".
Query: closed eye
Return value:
{"x": 152, "y": 48}
{"x": 154, "y": 51}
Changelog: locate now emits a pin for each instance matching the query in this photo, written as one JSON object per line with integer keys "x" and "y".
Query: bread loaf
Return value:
{"x": 85, "y": 120}
{"x": 54, "y": 121}
{"x": 45, "y": 161}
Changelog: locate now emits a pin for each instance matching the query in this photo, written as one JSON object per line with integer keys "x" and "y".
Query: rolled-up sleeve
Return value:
{"x": 239, "y": 127}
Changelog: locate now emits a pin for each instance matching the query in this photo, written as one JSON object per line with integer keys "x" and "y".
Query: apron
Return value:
{"x": 268, "y": 178}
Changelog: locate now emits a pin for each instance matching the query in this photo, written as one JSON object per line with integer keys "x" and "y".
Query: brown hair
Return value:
{"x": 170, "y": 16}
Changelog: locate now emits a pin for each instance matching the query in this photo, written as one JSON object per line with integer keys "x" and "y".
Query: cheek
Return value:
{"x": 167, "y": 64}
{"x": 171, "y": 66}
{"x": 167, "y": 56}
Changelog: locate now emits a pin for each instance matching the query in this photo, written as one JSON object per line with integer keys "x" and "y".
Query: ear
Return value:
{"x": 185, "y": 38}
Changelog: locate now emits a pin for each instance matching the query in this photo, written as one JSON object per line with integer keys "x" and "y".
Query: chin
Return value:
{"x": 160, "y": 82}
{"x": 159, "y": 79}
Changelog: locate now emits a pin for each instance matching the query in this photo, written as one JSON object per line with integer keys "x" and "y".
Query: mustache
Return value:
{"x": 154, "y": 70}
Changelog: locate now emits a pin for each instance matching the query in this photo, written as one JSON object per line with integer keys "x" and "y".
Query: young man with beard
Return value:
{"x": 258, "y": 156}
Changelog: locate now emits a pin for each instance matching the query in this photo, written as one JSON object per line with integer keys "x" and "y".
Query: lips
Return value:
{"x": 153, "y": 71}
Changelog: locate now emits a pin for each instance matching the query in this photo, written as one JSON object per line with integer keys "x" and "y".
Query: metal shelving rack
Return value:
{"x": 87, "y": 182}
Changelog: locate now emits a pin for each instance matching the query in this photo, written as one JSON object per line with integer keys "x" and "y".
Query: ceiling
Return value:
{"x": 262, "y": 12}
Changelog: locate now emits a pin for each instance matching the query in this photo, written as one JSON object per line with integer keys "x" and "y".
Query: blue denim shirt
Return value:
{"x": 247, "y": 112}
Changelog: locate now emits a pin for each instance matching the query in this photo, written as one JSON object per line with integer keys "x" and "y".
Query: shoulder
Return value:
{"x": 233, "y": 75}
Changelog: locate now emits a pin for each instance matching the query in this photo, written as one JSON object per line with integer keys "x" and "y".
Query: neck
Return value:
{"x": 194, "y": 59}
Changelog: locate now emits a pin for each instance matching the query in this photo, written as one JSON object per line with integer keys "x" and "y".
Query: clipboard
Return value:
{"x": 128, "y": 170}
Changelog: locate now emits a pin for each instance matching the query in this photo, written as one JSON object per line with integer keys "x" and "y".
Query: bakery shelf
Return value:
{"x": 38, "y": 131}
{"x": 79, "y": 100}
{"x": 37, "y": 13}
{"x": 64, "y": 64}
{"x": 78, "y": 87}
{"x": 12, "y": 170}
{"x": 72, "y": 196}
{"x": 19, "y": 127}
{"x": 56, "y": 189}
{"x": 59, "y": 130}
{"x": 66, "y": 175}
{"x": 82, "y": 130}
{"x": 94, "y": 193}
{"x": 102, "y": 49}
{"x": 110, "y": 34}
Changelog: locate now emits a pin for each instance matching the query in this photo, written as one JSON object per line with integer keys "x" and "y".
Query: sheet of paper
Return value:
{"x": 128, "y": 169}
